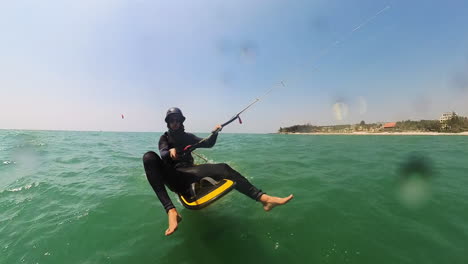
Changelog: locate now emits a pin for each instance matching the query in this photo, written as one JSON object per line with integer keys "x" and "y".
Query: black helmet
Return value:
{"x": 174, "y": 111}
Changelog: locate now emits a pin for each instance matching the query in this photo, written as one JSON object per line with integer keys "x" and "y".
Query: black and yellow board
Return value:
{"x": 205, "y": 193}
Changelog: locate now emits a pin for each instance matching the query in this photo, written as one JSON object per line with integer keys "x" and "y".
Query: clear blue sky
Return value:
{"x": 78, "y": 65}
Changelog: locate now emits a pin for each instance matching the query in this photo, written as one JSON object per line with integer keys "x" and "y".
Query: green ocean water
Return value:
{"x": 82, "y": 197}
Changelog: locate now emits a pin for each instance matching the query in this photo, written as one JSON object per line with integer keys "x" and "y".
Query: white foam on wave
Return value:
{"x": 26, "y": 187}
{"x": 86, "y": 213}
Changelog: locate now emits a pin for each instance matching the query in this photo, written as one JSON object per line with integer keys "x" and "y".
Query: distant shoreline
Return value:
{"x": 409, "y": 133}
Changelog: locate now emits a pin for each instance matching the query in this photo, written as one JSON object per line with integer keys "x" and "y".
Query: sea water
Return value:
{"x": 82, "y": 197}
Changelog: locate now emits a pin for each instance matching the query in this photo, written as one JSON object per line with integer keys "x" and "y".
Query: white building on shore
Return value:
{"x": 447, "y": 116}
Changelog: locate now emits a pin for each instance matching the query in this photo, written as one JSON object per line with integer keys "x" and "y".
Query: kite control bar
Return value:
{"x": 191, "y": 148}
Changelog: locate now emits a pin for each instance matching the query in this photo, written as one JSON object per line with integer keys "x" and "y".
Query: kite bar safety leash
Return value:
{"x": 200, "y": 156}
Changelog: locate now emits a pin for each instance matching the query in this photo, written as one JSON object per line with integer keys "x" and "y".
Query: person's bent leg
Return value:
{"x": 156, "y": 172}
{"x": 223, "y": 171}
{"x": 269, "y": 202}
{"x": 154, "y": 168}
{"x": 242, "y": 184}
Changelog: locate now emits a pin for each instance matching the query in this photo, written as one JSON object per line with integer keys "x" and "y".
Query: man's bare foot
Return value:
{"x": 270, "y": 201}
{"x": 174, "y": 219}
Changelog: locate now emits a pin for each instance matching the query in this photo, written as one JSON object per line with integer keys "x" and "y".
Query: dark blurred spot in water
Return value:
{"x": 415, "y": 174}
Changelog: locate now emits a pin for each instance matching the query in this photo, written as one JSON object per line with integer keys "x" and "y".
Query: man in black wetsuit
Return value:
{"x": 178, "y": 172}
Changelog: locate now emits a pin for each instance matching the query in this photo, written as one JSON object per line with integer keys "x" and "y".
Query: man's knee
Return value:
{"x": 226, "y": 167}
{"x": 150, "y": 157}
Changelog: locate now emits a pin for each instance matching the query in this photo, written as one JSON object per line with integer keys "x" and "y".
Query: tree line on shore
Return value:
{"x": 455, "y": 124}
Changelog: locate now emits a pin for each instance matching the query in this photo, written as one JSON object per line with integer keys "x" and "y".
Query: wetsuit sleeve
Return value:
{"x": 207, "y": 144}
{"x": 164, "y": 147}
